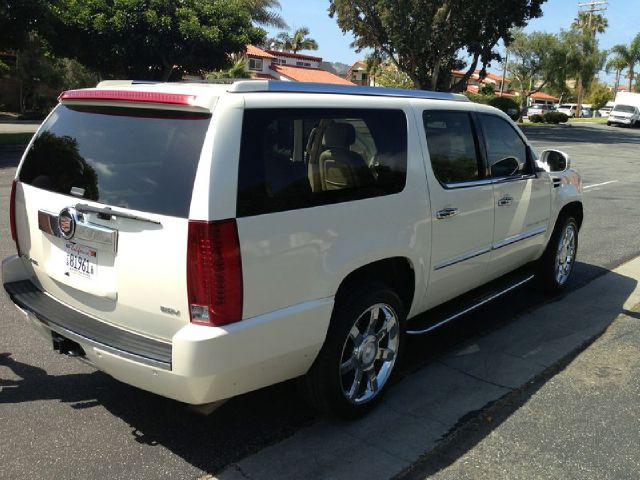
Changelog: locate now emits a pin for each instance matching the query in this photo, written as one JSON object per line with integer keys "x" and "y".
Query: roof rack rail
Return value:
{"x": 248, "y": 86}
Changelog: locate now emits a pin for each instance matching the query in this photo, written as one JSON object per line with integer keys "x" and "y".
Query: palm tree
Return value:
{"x": 616, "y": 64}
{"x": 631, "y": 56}
{"x": 588, "y": 22}
{"x": 262, "y": 13}
{"x": 236, "y": 70}
{"x": 296, "y": 42}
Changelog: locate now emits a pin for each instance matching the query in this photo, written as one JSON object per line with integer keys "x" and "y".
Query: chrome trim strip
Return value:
{"x": 471, "y": 308}
{"x": 519, "y": 237}
{"x": 107, "y": 348}
{"x": 495, "y": 246}
{"x": 487, "y": 181}
{"x": 94, "y": 234}
{"x": 462, "y": 258}
{"x": 474, "y": 183}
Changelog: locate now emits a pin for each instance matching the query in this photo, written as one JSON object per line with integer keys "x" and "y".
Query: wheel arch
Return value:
{"x": 572, "y": 209}
{"x": 398, "y": 273}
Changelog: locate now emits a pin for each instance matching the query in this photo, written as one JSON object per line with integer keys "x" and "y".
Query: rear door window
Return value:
{"x": 299, "y": 158}
{"x": 452, "y": 147}
{"x": 139, "y": 159}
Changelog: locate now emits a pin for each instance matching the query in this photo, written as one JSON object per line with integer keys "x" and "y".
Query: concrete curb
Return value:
{"x": 423, "y": 408}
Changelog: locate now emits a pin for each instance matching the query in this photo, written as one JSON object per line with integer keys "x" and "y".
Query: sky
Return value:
{"x": 334, "y": 46}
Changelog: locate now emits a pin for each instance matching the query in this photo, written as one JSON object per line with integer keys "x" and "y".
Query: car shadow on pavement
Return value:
{"x": 600, "y": 134}
{"x": 240, "y": 427}
{"x": 519, "y": 357}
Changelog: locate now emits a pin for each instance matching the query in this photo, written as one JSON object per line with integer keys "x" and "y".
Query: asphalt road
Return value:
{"x": 61, "y": 419}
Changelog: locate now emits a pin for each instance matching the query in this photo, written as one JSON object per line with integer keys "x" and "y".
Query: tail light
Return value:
{"x": 214, "y": 272}
{"x": 12, "y": 215}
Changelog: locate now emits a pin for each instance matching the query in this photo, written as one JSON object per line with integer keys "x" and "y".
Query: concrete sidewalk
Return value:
{"x": 468, "y": 415}
{"x": 18, "y": 126}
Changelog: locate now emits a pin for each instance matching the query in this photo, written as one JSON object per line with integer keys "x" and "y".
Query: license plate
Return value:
{"x": 81, "y": 261}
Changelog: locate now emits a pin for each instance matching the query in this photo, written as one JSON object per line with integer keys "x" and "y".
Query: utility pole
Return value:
{"x": 592, "y": 7}
{"x": 504, "y": 71}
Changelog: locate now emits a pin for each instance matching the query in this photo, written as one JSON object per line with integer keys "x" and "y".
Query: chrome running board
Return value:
{"x": 472, "y": 307}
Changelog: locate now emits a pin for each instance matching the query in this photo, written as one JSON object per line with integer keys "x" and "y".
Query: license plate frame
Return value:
{"x": 80, "y": 261}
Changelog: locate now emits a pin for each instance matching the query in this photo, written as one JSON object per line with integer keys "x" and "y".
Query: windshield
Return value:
{"x": 624, "y": 108}
{"x": 141, "y": 159}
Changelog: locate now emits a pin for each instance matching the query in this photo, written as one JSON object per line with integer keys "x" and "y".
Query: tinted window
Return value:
{"x": 297, "y": 158}
{"x": 506, "y": 151}
{"x": 139, "y": 159}
{"x": 452, "y": 146}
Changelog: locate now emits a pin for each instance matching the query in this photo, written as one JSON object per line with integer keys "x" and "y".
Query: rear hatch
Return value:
{"x": 102, "y": 205}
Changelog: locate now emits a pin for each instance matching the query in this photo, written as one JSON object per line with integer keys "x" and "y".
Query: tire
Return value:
{"x": 608, "y": 124}
{"x": 554, "y": 268}
{"x": 359, "y": 355}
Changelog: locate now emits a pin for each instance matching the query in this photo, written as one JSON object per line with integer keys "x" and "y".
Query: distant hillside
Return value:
{"x": 336, "y": 68}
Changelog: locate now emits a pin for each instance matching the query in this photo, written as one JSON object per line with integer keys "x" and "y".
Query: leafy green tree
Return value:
{"x": 35, "y": 66}
{"x": 598, "y": 95}
{"x": 422, "y": 38}
{"x": 583, "y": 60}
{"x": 389, "y": 76}
{"x": 588, "y": 24}
{"x": 262, "y": 13}
{"x": 298, "y": 41}
{"x": 630, "y": 54}
{"x": 536, "y": 60}
{"x": 18, "y": 18}
{"x": 486, "y": 89}
{"x": 152, "y": 39}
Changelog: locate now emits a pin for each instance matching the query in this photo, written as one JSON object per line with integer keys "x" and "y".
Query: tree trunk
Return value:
{"x": 579, "y": 99}
{"x": 630, "y": 77}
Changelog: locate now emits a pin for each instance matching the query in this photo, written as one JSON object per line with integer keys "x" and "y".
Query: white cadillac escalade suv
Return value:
{"x": 200, "y": 241}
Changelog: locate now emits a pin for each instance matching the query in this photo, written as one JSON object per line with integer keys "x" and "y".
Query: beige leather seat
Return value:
{"x": 339, "y": 166}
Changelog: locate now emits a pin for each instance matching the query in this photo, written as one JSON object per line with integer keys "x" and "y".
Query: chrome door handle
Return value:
{"x": 505, "y": 201}
{"x": 447, "y": 213}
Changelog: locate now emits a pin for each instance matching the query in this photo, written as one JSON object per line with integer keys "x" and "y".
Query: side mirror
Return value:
{"x": 555, "y": 160}
{"x": 505, "y": 167}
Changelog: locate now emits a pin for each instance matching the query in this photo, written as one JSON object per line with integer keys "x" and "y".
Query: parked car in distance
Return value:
{"x": 587, "y": 112}
{"x": 539, "y": 109}
{"x": 606, "y": 110}
{"x": 200, "y": 241}
{"x": 569, "y": 109}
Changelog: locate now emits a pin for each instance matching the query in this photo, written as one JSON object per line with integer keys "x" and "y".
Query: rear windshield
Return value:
{"x": 624, "y": 108}
{"x": 140, "y": 159}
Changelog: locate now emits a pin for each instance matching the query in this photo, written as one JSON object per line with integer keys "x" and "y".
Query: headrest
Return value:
{"x": 339, "y": 135}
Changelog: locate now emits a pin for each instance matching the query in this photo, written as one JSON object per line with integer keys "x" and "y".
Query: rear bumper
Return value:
{"x": 201, "y": 364}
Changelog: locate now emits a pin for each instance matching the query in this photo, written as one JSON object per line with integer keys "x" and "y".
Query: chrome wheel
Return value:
{"x": 369, "y": 353}
{"x": 565, "y": 255}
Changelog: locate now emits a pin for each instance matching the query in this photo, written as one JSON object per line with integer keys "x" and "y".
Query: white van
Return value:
{"x": 626, "y": 110}
{"x": 201, "y": 241}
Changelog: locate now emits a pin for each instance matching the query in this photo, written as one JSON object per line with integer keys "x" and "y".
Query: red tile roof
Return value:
{"x": 253, "y": 51}
{"x": 299, "y": 56}
{"x": 263, "y": 76}
{"x": 544, "y": 96}
{"x": 304, "y": 74}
